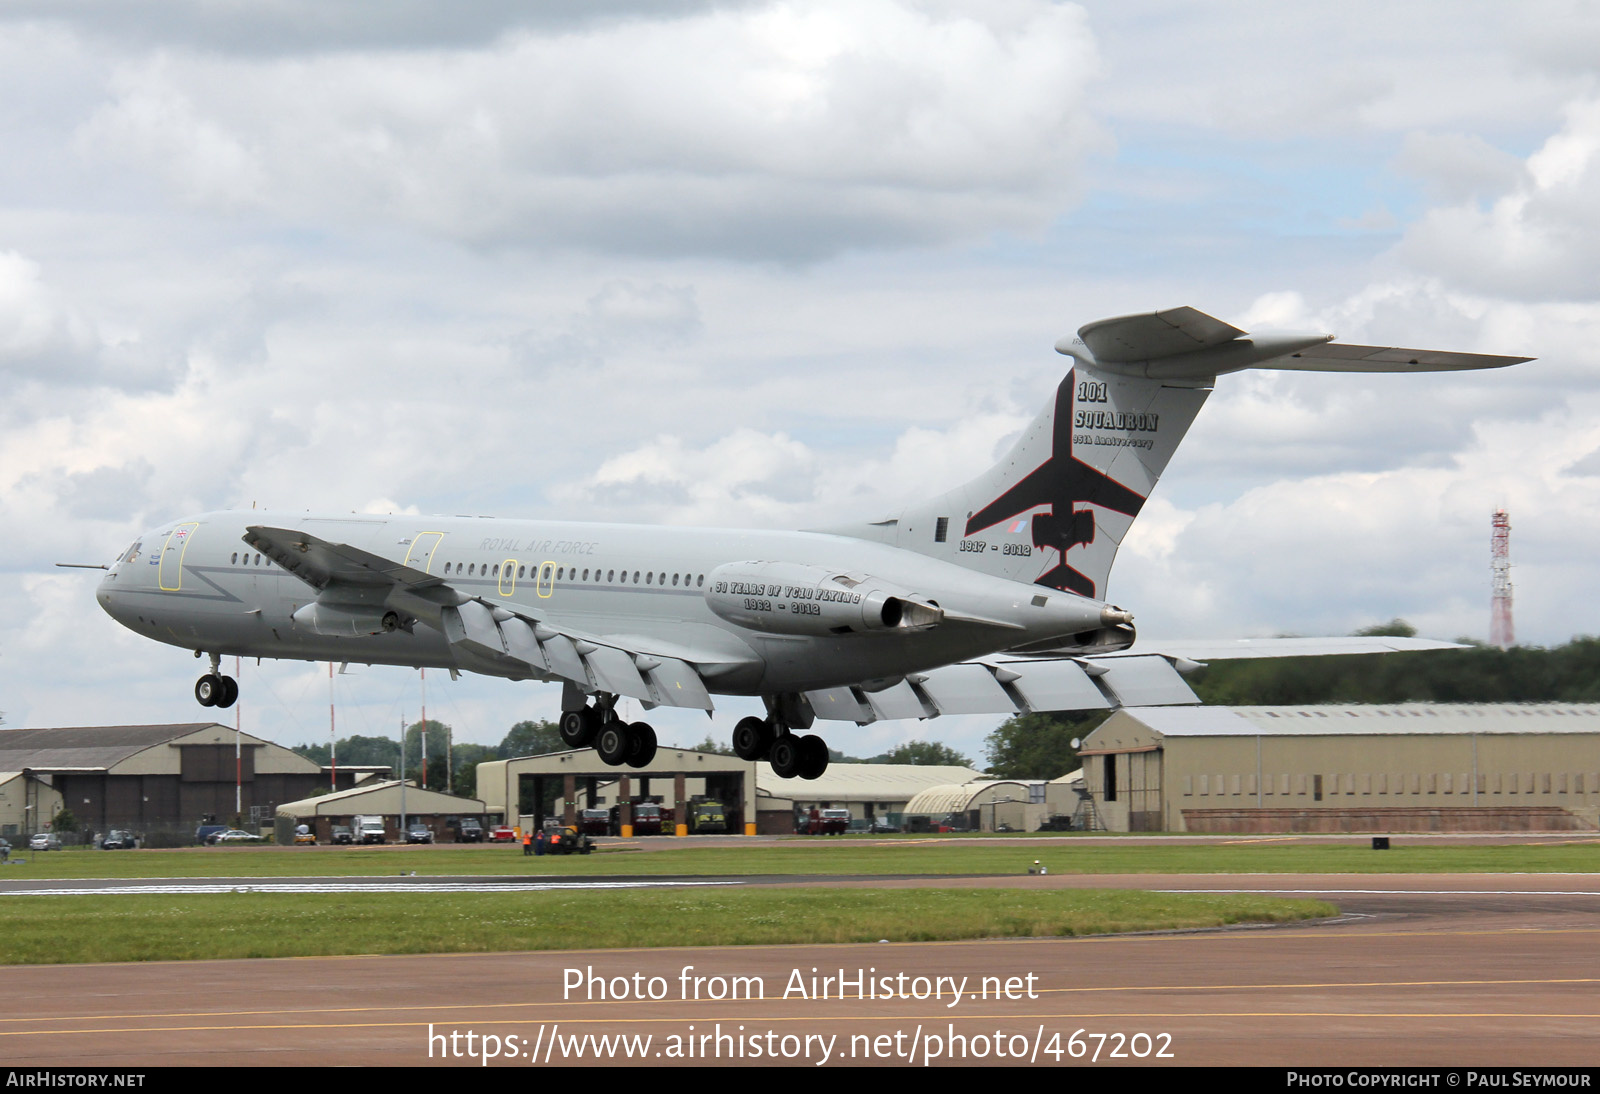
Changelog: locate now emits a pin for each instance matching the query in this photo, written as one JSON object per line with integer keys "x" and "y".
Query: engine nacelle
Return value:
{"x": 346, "y": 620}
{"x": 792, "y": 598}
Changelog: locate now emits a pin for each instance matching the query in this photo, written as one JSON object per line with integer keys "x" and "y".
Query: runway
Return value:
{"x": 1441, "y": 970}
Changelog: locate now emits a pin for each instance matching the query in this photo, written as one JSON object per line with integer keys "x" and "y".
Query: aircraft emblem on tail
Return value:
{"x": 1062, "y": 482}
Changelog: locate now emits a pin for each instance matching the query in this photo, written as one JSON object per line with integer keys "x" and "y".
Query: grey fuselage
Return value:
{"x": 196, "y": 584}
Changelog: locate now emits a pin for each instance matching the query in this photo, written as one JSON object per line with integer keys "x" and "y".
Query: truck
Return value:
{"x": 707, "y": 816}
{"x": 369, "y": 830}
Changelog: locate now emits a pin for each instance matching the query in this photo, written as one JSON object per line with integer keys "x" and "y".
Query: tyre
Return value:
{"x": 752, "y": 739}
{"x": 207, "y": 690}
{"x": 612, "y": 743}
{"x": 230, "y": 692}
{"x": 785, "y": 756}
{"x": 577, "y": 728}
{"x": 641, "y": 745}
{"x": 813, "y": 756}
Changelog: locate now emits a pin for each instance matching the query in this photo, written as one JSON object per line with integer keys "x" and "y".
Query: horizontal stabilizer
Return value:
{"x": 1339, "y": 357}
{"x": 1155, "y": 334}
{"x": 1185, "y": 344}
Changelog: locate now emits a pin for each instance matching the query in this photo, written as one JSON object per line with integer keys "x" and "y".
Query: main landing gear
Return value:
{"x": 790, "y": 755}
{"x": 214, "y": 689}
{"x": 617, "y": 742}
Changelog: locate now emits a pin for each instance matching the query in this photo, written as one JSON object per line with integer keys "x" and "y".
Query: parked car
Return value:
{"x": 119, "y": 839}
{"x": 502, "y": 833}
{"x": 470, "y": 831}
{"x": 207, "y": 833}
{"x": 419, "y": 833}
{"x": 304, "y": 834}
{"x": 236, "y": 835}
{"x": 342, "y": 834}
{"x": 44, "y": 841}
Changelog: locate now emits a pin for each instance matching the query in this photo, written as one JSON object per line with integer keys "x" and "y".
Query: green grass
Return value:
{"x": 823, "y": 857}
{"x": 75, "y": 929}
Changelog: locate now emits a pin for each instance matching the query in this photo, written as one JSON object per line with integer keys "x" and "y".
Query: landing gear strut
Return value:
{"x": 215, "y": 690}
{"x": 617, "y": 742}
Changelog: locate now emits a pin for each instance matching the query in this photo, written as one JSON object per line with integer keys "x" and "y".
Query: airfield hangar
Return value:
{"x": 756, "y": 801}
{"x": 1411, "y": 767}
{"x": 159, "y": 781}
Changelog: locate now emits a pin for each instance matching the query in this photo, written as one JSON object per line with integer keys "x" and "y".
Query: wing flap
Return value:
{"x": 1150, "y": 681}
{"x": 899, "y": 701}
{"x": 676, "y": 684}
{"x": 840, "y": 705}
{"x": 614, "y": 671}
{"x": 964, "y": 689}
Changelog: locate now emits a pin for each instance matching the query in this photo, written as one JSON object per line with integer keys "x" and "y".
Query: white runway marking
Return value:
{"x": 360, "y": 887}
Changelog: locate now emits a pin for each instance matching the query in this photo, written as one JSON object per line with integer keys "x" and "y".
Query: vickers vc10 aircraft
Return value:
{"x": 985, "y": 599}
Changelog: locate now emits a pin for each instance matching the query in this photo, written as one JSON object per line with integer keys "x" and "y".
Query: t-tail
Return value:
{"x": 1054, "y": 511}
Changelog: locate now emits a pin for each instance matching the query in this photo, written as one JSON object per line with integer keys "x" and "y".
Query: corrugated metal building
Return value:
{"x": 156, "y": 778}
{"x": 1408, "y": 767}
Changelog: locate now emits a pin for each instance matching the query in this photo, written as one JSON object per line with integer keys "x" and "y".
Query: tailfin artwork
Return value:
{"x": 1055, "y": 510}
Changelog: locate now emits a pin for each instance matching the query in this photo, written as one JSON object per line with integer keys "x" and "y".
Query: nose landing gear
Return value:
{"x": 214, "y": 689}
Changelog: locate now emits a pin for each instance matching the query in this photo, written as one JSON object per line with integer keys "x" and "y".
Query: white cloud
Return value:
{"x": 783, "y": 130}
{"x": 1540, "y": 240}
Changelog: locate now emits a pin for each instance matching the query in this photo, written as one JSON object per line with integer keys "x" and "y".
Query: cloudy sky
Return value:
{"x": 777, "y": 264}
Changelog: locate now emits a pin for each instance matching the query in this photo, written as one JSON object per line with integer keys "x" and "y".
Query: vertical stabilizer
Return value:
{"x": 1055, "y": 510}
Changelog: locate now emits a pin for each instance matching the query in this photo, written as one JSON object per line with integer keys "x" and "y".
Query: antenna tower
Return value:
{"x": 1501, "y": 633}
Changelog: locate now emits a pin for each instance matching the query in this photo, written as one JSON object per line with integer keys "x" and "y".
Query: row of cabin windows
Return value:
{"x": 562, "y": 573}
{"x": 565, "y": 574}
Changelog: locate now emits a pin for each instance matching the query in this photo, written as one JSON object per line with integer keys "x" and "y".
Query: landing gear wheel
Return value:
{"x": 208, "y": 689}
{"x": 813, "y": 756}
{"x": 578, "y": 727}
{"x": 752, "y": 739}
{"x": 641, "y": 745}
{"x": 786, "y": 756}
{"x": 230, "y": 692}
{"x": 612, "y": 743}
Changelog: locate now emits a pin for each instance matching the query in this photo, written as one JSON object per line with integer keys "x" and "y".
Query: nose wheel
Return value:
{"x": 212, "y": 690}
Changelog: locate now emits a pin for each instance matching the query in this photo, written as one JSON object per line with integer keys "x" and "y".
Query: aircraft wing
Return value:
{"x": 320, "y": 564}
{"x": 1005, "y": 686}
{"x": 1233, "y": 649}
{"x": 498, "y": 639}
{"x": 1011, "y": 686}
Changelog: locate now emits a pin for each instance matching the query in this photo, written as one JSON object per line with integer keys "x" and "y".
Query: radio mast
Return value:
{"x": 1501, "y": 633}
